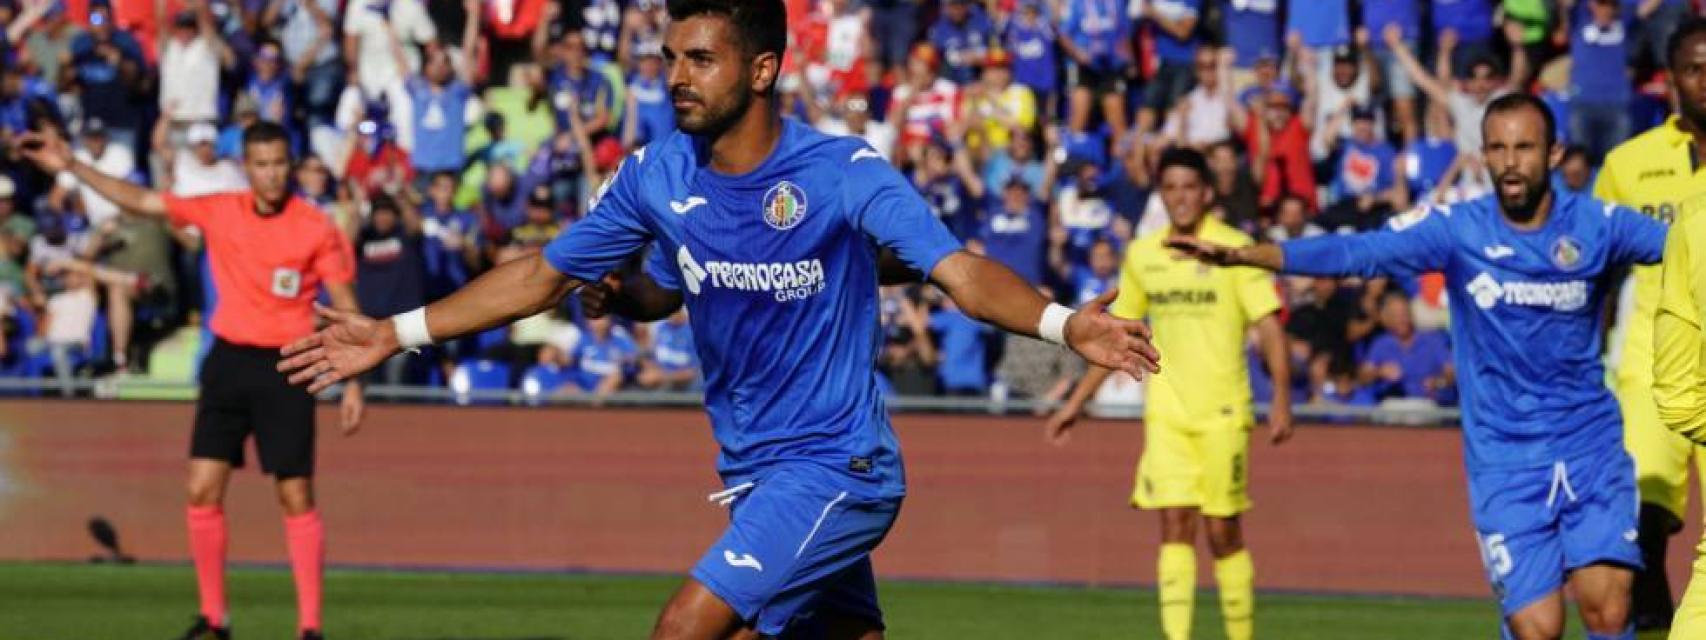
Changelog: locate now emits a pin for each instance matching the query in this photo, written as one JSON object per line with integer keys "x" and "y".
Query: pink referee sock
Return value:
{"x": 307, "y": 539}
{"x": 207, "y": 548}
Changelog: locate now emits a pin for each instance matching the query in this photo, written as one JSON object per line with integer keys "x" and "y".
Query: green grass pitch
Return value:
{"x": 70, "y": 601}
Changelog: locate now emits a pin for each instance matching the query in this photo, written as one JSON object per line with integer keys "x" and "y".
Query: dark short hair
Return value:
{"x": 384, "y": 202}
{"x": 1689, "y": 28}
{"x": 1576, "y": 151}
{"x": 1518, "y": 101}
{"x": 263, "y": 132}
{"x": 440, "y": 175}
{"x": 762, "y": 24}
{"x": 1184, "y": 157}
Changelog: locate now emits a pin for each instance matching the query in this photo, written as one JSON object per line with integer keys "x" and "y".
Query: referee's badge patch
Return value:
{"x": 286, "y": 283}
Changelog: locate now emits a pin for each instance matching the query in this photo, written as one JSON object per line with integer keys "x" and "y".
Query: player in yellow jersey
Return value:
{"x": 1680, "y": 373}
{"x": 1197, "y": 413}
{"x": 1678, "y": 377}
{"x": 1655, "y": 173}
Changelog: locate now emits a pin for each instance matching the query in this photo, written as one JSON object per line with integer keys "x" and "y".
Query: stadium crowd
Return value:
{"x": 446, "y": 136}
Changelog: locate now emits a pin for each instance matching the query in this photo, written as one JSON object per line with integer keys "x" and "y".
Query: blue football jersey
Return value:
{"x": 1526, "y": 321}
{"x": 778, "y": 269}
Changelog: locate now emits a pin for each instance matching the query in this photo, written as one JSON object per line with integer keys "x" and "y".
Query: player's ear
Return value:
{"x": 766, "y": 67}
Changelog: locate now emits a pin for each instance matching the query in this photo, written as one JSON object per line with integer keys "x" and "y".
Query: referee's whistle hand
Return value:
{"x": 349, "y": 345}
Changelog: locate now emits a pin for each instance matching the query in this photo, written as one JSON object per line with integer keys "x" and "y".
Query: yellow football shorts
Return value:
{"x": 1661, "y": 456}
{"x": 1206, "y": 468}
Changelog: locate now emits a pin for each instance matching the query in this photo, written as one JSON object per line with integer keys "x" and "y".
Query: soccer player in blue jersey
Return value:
{"x": 1551, "y": 488}
{"x": 772, "y": 232}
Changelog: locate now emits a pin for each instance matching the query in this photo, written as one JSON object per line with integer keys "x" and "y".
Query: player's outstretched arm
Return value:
{"x": 352, "y": 344}
{"x": 990, "y": 292}
{"x": 52, "y": 154}
{"x": 1261, "y": 256}
{"x": 1414, "y": 242}
{"x": 1057, "y": 430}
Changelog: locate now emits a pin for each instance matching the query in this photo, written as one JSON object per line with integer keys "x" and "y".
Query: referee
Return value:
{"x": 269, "y": 252}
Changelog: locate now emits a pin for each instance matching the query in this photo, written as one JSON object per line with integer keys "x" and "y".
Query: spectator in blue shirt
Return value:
{"x": 947, "y": 191}
{"x": 963, "y": 35}
{"x": 603, "y": 358}
{"x": 17, "y": 89}
{"x": 1018, "y": 160}
{"x": 108, "y": 66}
{"x": 1252, "y": 29}
{"x": 451, "y": 250}
{"x": 1016, "y": 233}
{"x": 1574, "y": 175}
{"x": 1176, "y": 44}
{"x": 1405, "y": 363}
{"x": 1376, "y": 14}
{"x": 1427, "y": 160}
{"x": 650, "y": 114}
{"x": 1343, "y": 387}
{"x": 1100, "y": 273}
{"x": 672, "y": 363}
{"x": 1366, "y": 188}
{"x": 440, "y": 96}
{"x": 1096, "y": 37}
{"x": 1313, "y": 29}
{"x": 962, "y": 351}
{"x": 899, "y": 27}
{"x": 1265, "y": 79}
{"x": 1599, "y": 79}
{"x": 1030, "y": 39}
{"x": 1471, "y": 23}
{"x": 574, "y": 84}
{"x": 268, "y": 85}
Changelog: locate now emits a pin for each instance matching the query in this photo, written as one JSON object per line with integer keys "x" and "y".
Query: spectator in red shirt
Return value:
{"x": 1279, "y": 148}
{"x": 376, "y": 163}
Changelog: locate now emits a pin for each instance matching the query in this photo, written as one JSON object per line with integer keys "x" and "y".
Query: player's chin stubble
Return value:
{"x": 709, "y": 119}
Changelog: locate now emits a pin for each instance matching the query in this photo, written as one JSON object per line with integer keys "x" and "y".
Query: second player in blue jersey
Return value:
{"x": 1552, "y": 490}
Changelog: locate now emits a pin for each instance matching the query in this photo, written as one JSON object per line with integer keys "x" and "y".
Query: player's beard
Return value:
{"x": 711, "y": 120}
{"x": 1523, "y": 205}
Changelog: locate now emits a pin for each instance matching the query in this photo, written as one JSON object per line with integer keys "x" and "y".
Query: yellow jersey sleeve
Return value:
{"x": 1132, "y": 303}
{"x": 1605, "y": 186}
{"x": 1679, "y": 379}
{"x": 1256, "y": 294}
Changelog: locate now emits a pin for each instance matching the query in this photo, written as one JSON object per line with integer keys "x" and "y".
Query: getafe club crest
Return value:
{"x": 784, "y": 206}
{"x": 1566, "y": 253}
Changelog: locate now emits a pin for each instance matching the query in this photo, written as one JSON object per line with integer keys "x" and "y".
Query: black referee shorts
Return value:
{"x": 242, "y": 392}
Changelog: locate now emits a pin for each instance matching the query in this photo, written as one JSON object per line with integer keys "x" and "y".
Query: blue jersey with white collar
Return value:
{"x": 1526, "y": 314}
{"x": 778, "y": 268}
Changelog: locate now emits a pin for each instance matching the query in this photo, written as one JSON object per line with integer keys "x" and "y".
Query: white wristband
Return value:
{"x": 1052, "y": 326}
{"x": 412, "y": 329}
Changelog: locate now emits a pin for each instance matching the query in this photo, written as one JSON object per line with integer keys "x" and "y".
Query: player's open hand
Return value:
{"x": 46, "y": 150}
{"x": 1058, "y": 429}
{"x": 1115, "y": 343}
{"x": 1202, "y": 250}
{"x": 351, "y": 344}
